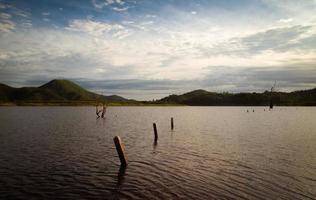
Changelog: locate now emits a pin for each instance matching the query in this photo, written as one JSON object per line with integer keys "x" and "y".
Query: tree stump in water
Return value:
{"x": 120, "y": 150}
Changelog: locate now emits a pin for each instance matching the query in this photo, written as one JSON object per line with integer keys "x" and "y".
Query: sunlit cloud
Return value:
{"x": 7, "y": 26}
{"x": 102, "y": 3}
{"x": 5, "y": 16}
{"x": 288, "y": 20}
{"x": 92, "y": 27}
{"x": 120, "y": 9}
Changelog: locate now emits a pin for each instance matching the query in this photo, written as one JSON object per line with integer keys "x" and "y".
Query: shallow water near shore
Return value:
{"x": 213, "y": 152}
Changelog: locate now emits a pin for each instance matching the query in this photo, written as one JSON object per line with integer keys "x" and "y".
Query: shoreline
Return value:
{"x": 85, "y": 104}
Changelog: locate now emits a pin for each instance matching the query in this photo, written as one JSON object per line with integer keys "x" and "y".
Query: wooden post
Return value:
{"x": 155, "y": 132}
{"x": 171, "y": 123}
{"x": 120, "y": 150}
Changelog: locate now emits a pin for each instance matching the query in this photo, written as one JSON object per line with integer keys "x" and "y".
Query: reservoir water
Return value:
{"x": 212, "y": 153}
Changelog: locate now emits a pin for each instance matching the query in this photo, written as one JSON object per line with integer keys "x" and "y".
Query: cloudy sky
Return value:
{"x": 145, "y": 49}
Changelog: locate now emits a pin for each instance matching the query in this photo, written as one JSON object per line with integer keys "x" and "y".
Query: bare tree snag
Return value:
{"x": 103, "y": 110}
{"x": 271, "y": 92}
{"x": 98, "y": 111}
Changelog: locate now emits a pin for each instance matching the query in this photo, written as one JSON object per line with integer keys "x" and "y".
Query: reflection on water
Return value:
{"x": 120, "y": 176}
{"x": 155, "y": 145}
{"x": 120, "y": 181}
{"x": 213, "y": 152}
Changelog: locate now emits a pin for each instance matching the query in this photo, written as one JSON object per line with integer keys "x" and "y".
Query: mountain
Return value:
{"x": 65, "y": 92}
{"x": 55, "y": 90}
{"x": 205, "y": 98}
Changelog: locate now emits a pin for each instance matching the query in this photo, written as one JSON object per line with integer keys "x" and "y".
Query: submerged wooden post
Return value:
{"x": 120, "y": 150}
{"x": 171, "y": 123}
{"x": 155, "y": 132}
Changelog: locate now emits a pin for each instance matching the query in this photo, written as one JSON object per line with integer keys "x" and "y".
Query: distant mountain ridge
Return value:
{"x": 55, "y": 90}
{"x": 65, "y": 92}
{"x": 205, "y": 98}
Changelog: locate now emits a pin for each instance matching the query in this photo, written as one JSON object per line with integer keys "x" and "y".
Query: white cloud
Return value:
{"x": 121, "y": 34}
{"x": 120, "y": 2}
{"x": 304, "y": 11}
{"x": 146, "y": 23}
{"x": 99, "y": 4}
{"x": 177, "y": 56}
{"x": 13, "y": 11}
{"x": 128, "y": 22}
{"x": 93, "y": 28}
{"x": 5, "y": 16}
{"x": 287, "y": 20}
{"x": 45, "y": 13}
{"x": 26, "y": 24}
{"x": 120, "y": 9}
{"x": 150, "y": 16}
{"x": 7, "y": 26}
{"x": 21, "y": 13}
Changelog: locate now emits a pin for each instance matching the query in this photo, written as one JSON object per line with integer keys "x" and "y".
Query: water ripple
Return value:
{"x": 214, "y": 153}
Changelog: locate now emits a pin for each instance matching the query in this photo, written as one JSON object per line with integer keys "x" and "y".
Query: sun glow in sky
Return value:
{"x": 145, "y": 49}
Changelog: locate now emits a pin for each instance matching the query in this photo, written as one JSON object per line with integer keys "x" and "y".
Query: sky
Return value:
{"x": 148, "y": 49}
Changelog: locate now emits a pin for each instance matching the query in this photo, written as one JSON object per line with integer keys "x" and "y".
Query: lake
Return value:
{"x": 213, "y": 152}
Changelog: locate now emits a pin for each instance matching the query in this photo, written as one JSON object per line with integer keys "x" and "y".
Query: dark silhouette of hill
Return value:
{"x": 67, "y": 91}
{"x": 55, "y": 90}
{"x": 205, "y": 98}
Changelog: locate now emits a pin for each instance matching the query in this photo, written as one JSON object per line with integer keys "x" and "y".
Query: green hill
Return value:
{"x": 205, "y": 98}
{"x": 55, "y": 90}
{"x": 65, "y": 92}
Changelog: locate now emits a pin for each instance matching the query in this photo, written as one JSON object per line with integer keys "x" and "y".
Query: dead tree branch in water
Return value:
{"x": 97, "y": 111}
{"x": 271, "y": 92}
{"x": 102, "y": 111}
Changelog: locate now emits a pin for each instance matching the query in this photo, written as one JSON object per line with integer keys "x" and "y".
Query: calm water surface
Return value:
{"x": 213, "y": 152}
